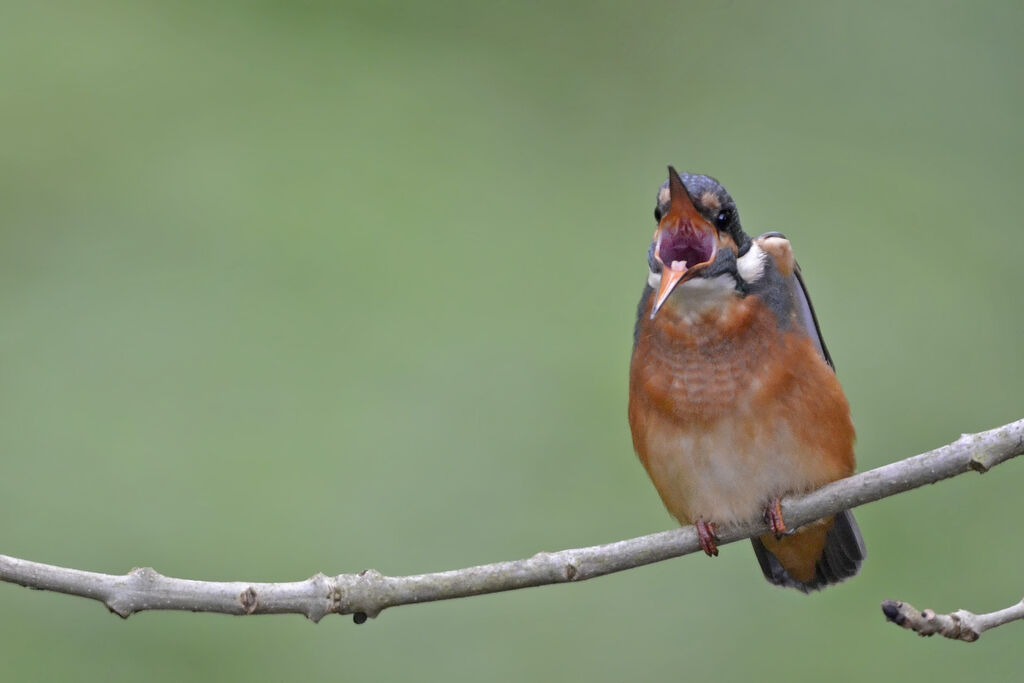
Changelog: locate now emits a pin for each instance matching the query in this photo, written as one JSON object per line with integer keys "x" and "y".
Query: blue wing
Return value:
{"x": 804, "y": 309}
{"x": 805, "y": 312}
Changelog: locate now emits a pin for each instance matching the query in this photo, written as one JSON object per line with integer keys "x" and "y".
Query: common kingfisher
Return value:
{"x": 733, "y": 397}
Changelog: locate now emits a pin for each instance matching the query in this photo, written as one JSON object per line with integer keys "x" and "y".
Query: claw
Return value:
{"x": 708, "y": 539}
{"x": 773, "y": 517}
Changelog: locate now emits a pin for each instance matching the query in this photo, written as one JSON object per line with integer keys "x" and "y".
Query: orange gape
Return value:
{"x": 733, "y": 403}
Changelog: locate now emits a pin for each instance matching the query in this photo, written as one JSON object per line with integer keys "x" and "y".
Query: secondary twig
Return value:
{"x": 367, "y": 593}
{"x": 958, "y": 625}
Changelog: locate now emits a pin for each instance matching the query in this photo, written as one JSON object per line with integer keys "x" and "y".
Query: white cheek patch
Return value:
{"x": 664, "y": 196}
{"x": 750, "y": 266}
{"x": 653, "y": 279}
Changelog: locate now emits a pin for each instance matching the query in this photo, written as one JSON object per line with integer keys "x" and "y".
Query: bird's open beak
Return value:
{"x": 685, "y": 242}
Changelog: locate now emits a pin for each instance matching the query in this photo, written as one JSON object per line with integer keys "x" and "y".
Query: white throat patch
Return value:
{"x": 699, "y": 294}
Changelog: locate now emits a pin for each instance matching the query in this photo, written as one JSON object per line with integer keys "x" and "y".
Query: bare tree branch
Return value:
{"x": 368, "y": 593}
{"x": 958, "y": 625}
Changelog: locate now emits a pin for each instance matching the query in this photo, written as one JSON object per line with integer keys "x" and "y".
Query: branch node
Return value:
{"x": 249, "y": 600}
{"x": 329, "y": 588}
{"x": 120, "y": 596}
{"x": 144, "y": 575}
{"x": 367, "y": 595}
{"x": 963, "y": 626}
{"x": 122, "y": 612}
{"x": 980, "y": 461}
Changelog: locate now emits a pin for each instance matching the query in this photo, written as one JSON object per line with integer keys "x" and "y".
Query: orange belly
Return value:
{"x": 728, "y": 412}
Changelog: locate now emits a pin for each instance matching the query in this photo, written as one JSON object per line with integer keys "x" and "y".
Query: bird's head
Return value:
{"x": 698, "y": 236}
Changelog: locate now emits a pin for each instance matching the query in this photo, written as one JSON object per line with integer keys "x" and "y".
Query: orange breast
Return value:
{"x": 728, "y": 411}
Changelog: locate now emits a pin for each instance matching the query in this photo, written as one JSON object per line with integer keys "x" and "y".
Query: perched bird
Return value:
{"x": 733, "y": 400}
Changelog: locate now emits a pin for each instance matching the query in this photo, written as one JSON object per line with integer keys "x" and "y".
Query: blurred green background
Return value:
{"x": 299, "y": 287}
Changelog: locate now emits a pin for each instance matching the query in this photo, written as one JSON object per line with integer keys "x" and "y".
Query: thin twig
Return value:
{"x": 958, "y": 625}
{"x": 368, "y": 593}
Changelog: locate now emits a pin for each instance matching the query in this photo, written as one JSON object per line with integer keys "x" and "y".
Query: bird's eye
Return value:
{"x": 722, "y": 219}
{"x": 657, "y": 213}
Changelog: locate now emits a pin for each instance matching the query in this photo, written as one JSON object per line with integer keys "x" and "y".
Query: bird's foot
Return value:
{"x": 708, "y": 538}
{"x": 773, "y": 516}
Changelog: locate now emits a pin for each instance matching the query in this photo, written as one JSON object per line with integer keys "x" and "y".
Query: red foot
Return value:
{"x": 773, "y": 516}
{"x": 708, "y": 539}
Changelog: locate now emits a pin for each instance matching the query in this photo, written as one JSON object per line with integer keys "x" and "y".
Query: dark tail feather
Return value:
{"x": 843, "y": 554}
